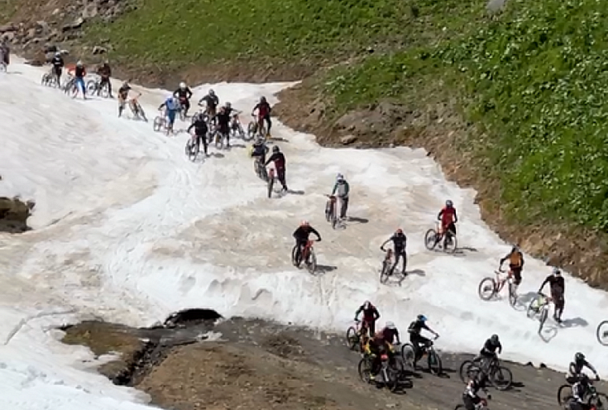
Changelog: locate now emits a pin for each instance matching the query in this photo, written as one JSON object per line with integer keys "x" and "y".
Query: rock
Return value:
{"x": 76, "y": 24}
{"x": 50, "y": 48}
{"x": 99, "y": 50}
{"x": 31, "y": 33}
{"x": 8, "y": 28}
{"x": 42, "y": 26}
{"x": 55, "y": 12}
{"x": 90, "y": 11}
{"x": 495, "y": 6}
{"x": 8, "y": 36}
{"x": 348, "y": 139}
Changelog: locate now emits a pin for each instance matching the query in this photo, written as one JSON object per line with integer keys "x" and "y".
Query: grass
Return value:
{"x": 534, "y": 81}
{"x": 177, "y": 34}
{"x": 8, "y": 8}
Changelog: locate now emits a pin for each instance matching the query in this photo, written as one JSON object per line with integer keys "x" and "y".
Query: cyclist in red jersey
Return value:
{"x": 370, "y": 315}
{"x": 264, "y": 110}
{"x": 448, "y": 218}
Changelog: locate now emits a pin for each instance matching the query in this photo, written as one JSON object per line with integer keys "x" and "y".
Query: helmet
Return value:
{"x": 390, "y": 325}
{"x": 304, "y": 223}
{"x": 182, "y": 85}
{"x": 79, "y": 63}
{"x": 57, "y": 53}
{"x": 339, "y": 177}
{"x": 421, "y": 318}
{"x": 494, "y": 339}
{"x": 579, "y": 357}
{"x": 262, "y": 99}
{"x": 228, "y": 105}
{"x": 556, "y": 271}
{"x": 515, "y": 248}
{"x": 275, "y": 149}
{"x": 399, "y": 231}
{"x": 368, "y": 305}
{"x": 211, "y": 92}
{"x": 449, "y": 203}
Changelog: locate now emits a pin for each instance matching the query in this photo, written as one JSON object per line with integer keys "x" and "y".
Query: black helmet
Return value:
{"x": 494, "y": 339}
{"x": 579, "y": 357}
{"x": 275, "y": 149}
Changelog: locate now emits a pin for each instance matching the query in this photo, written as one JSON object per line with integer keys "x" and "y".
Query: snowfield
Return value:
{"x": 127, "y": 229}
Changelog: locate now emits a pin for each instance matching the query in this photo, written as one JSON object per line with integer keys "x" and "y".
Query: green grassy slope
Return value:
{"x": 535, "y": 82}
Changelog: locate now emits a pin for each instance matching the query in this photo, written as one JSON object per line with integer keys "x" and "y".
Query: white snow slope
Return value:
{"x": 127, "y": 229}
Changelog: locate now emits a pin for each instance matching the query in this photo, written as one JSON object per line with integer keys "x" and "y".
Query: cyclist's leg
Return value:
{"x": 397, "y": 259}
{"x": 268, "y": 124}
{"x": 343, "y": 207}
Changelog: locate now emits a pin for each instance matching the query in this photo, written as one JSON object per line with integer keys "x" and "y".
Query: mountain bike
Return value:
{"x": 49, "y": 79}
{"x": 592, "y": 396}
{"x": 95, "y": 86}
{"x": 307, "y": 254}
{"x": 256, "y": 127}
{"x": 160, "y": 123}
{"x": 260, "y": 169}
{"x": 182, "y": 109}
{"x": 355, "y": 336}
{"x": 389, "y": 370}
{"x": 482, "y": 405}
{"x": 499, "y": 376}
{"x": 192, "y": 148}
{"x": 331, "y": 210}
{"x": 602, "y": 333}
{"x": 236, "y": 129}
{"x": 433, "y": 360}
{"x": 448, "y": 240}
{"x": 137, "y": 110}
{"x": 219, "y": 137}
{"x": 491, "y": 287}
{"x": 539, "y": 306}
{"x": 387, "y": 266}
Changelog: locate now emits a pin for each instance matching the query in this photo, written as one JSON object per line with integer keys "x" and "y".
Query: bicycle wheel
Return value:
{"x": 384, "y": 273}
{"x": 487, "y": 288}
{"x": 599, "y": 400}
{"x": 365, "y": 369}
{"x": 193, "y": 150}
{"x": 602, "y": 333}
{"x": 328, "y": 211}
{"x": 242, "y": 134}
{"x": 467, "y": 370}
{"x": 45, "y": 80}
{"x": 312, "y": 265}
{"x": 434, "y": 362}
{"x": 408, "y": 354}
{"x": 352, "y": 338}
{"x": 430, "y": 239}
{"x": 450, "y": 244}
{"x": 141, "y": 112}
{"x": 219, "y": 140}
{"x": 295, "y": 258}
{"x": 392, "y": 377}
{"x": 252, "y": 129}
{"x": 334, "y": 217}
{"x": 543, "y": 318}
{"x": 459, "y": 407}
{"x": 501, "y": 378}
{"x": 91, "y": 87}
{"x": 564, "y": 394}
{"x": 158, "y": 123}
{"x": 104, "y": 91}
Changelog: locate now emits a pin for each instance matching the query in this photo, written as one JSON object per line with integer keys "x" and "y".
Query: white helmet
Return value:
{"x": 339, "y": 177}
{"x": 182, "y": 85}
{"x": 390, "y": 325}
{"x": 79, "y": 63}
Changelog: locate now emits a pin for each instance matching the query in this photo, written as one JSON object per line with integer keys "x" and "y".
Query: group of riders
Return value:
{"x": 375, "y": 343}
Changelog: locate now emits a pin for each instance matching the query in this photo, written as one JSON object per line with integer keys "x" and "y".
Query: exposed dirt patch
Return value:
{"x": 441, "y": 131}
{"x": 14, "y": 214}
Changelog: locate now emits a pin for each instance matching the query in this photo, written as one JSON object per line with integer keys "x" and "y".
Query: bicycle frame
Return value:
{"x": 306, "y": 250}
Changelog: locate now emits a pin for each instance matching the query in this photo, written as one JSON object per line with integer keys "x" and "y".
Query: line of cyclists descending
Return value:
{"x": 577, "y": 394}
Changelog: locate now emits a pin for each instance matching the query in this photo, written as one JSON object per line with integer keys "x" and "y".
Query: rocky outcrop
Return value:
{"x": 14, "y": 214}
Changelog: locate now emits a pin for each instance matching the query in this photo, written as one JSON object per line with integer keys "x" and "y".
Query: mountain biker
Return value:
{"x": 259, "y": 151}
{"x": 222, "y": 119}
{"x": 390, "y": 333}
{"x": 212, "y": 101}
{"x": 579, "y": 392}
{"x": 301, "y": 235}
{"x": 516, "y": 265}
{"x": 376, "y": 345}
{"x": 399, "y": 242}
{"x": 557, "y": 287}
{"x": 183, "y": 95}
{"x": 370, "y": 315}
{"x": 5, "y": 52}
{"x": 418, "y": 341}
{"x": 342, "y": 189}
{"x": 575, "y": 369}
{"x": 171, "y": 106}
{"x": 105, "y": 72}
{"x": 279, "y": 163}
{"x": 58, "y": 64}
{"x": 488, "y": 351}
{"x": 200, "y": 130}
{"x": 123, "y": 94}
{"x": 448, "y": 219}
{"x": 470, "y": 397}
{"x": 264, "y": 111}
{"x": 79, "y": 73}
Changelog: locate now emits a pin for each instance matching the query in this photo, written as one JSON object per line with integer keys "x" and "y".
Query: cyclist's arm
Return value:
{"x": 455, "y": 216}
{"x": 544, "y": 283}
{"x": 385, "y": 242}
{"x": 188, "y": 93}
{"x": 590, "y": 367}
{"x": 376, "y": 314}
{"x": 190, "y": 127}
{"x": 313, "y": 230}
{"x": 499, "y": 348}
{"x": 439, "y": 215}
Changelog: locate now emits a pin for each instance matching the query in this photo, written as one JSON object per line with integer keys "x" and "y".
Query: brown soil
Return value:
{"x": 14, "y": 214}
{"x": 441, "y": 131}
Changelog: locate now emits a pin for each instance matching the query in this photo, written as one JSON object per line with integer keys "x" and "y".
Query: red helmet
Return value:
{"x": 399, "y": 230}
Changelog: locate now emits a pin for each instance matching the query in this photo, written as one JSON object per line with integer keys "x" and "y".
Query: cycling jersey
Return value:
{"x": 447, "y": 216}
{"x": 263, "y": 109}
